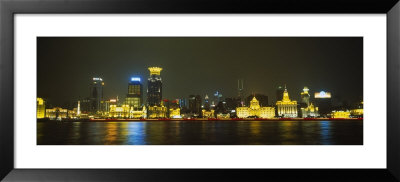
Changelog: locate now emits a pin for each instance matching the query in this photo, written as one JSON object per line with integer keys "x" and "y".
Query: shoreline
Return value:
{"x": 201, "y": 119}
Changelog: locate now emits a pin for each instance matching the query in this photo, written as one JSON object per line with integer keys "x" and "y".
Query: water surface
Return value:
{"x": 347, "y": 132}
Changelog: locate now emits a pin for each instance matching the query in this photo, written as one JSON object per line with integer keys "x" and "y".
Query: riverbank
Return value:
{"x": 202, "y": 119}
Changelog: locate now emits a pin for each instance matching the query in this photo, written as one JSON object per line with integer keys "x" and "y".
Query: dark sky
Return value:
{"x": 200, "y": 65}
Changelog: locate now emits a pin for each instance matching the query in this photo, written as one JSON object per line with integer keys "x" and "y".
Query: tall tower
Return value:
{"x": 240, "y": 91}
{"x": 279, "y": 93}
{"x": 206, "y": 103}
{"x": 134, "y": 98}
{"x": 96, "y": 94}
{"x": 154, "y": 87}
{"x": 305, "y": 96}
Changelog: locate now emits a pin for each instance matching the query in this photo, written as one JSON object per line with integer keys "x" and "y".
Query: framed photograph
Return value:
{"x": 125, "y": 91}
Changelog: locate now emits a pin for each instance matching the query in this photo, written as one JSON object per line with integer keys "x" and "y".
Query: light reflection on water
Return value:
{"x": 201, "y": 133}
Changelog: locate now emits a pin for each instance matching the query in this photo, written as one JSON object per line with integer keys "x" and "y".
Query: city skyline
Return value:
{"x": 179, "y": 83}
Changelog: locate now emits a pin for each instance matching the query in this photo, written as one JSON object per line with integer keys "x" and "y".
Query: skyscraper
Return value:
{"x": 206, "y": 103}
{"x": 195, "y": 104}
{"x": 96, "y": 94}
{"x": 240, "y": 91}
{"x": 154, "y": 87}
{"x": 40, "y": 108}
{"x": 279, "y": 93}
{"x": 134, "y": 98}
{"x": 305, "y": 96}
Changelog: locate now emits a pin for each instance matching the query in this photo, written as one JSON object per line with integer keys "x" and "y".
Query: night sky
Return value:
{"x": 200, "y": 65}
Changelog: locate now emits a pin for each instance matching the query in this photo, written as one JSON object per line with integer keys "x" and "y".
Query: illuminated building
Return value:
{"x": 175, "y": 113}
{"x": 56, "y": 113}
{"x": 223, "y": 115}
{"x": 305, "y": 96}
{"x": 207, "y": 114}
{"x": 40, "y": 108}
{"x": 157, "y": 112}
{"x": 286, "y": 107}
{"x": 154, "y": 87}
{"x": 217, "y": 98}
{"x": 324, "y": 102}
{"x": 134, "y": 97}
{"x": 195, "y": 104}
{"x": 182, "y": 103}
{"x": 96, "y": 95}
{"x": 359, "y": 111}
{"x": 340, "y": 114}
{"x": 135, "y": 113}
{"x": 78, "y": 110}
{"x": 310, "y": 111}
{"x": 255, "y": 110}
{"x": 119, "y": 111}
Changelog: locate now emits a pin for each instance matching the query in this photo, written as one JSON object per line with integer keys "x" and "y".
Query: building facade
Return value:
{"x": 195, "y": 105}
{"x": 255, "y": 110}
{"x": 134, "y": 98}
{"x": 96, "y": 95}
{"x": 40, "y": 108}
{"x": 305, "y": 96}
{"x": 340, "y": 114}
{"x": 56, "y": 113}
{"x": 286, "y": 107}
{"x": 309, "y": 112}
{"x": 154, "y": 87}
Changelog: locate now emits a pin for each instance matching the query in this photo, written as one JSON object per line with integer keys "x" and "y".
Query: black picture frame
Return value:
{"x": 9, "y": 8}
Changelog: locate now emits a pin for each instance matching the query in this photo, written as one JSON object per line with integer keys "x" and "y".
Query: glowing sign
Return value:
{"x": 113, "y": 100}
{"x": 137, "y": 79}
{"x": 322, "y": 94}
{"x": 97, "y": 79}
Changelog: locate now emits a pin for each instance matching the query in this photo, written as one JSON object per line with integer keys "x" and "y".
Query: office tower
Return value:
{"x": 240, "y": 91}
{"x": 323, "y": 100}
{"x": 154, "y": 87}
{"x": 305, "y": 96}
{"x": 41, "y": 108}
{"x": 195, "y": 104}
{"x": 286, "y": 107}
{"x": 96, "y": 95}
{"x": 134, "y": 98}
{"x": 279, "y": 93}
{"x": 206, "y": 103}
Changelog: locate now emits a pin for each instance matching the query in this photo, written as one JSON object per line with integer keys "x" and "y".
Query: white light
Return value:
{"x": 135, "y": 79}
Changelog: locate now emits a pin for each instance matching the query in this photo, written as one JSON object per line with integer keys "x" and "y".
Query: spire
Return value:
{"x": 285, "y": 95}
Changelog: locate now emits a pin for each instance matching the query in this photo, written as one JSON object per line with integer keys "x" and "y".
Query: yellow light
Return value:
{"x": 155, "y": 70}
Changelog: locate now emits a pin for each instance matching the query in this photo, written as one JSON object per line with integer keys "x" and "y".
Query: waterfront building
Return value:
{"x": 154, "y": 87}
{"x": 207, "y": 105}
{"x": 358, "y": 111}
{"x": 175, "y": 113}
{"x": 255, "y": 110}
{"x": 309, "y": 111}
{"x": 156, "y": 112}
{"x": 40, "y": 108}
{"x": 323, "y": 100}
{"x": 286, "y": 107}
{"x": 340, "y": 114}
{"x": 305, "y": 96}
{"x": 195, "y": 105}
{"x": 134, "y": 98}
{"x": 56, "y": 113}
{"x": 119, "y": 111}
{"x": 137, "y": 113}
{"x": 96, "y": 95}
{"x": 207, "y": 113}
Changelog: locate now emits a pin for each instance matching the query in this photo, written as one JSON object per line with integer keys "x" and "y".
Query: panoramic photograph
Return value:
{"x": 199, "y": 91}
